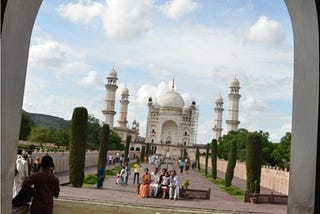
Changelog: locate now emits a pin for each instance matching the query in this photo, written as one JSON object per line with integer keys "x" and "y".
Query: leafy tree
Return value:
{"x": 78, "y": 139}
{"x": 281, "y": 152}
{"x": 207, "y": 157}
{"x": 94, "y": 130}
{"x": 41, "y": 135}
{"x": 105, "y": 132}
{"x": 62, "y": 136}
{"x": 232, "y": 160}
{"x": 115, "y": 141}
{"x": 253, "y": 162}
{"x": 25, "y": 126}
{"x": 214, "y": 159}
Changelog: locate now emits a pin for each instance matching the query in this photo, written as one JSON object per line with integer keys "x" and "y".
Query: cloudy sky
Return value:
{"x": 202, "y": 44}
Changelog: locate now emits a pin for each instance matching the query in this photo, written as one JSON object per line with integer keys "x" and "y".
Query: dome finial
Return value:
{"x": 173, "y": 84}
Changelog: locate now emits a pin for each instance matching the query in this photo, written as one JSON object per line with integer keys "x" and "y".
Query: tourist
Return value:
{"x": 174, "y": 186}
{"x": 128, "y": 172}
{"x": 187, "y": 166}
{"x": 110, "y": 159}
{"x": 36, "y": 165}
{"x": 46, "y": 185}
{"x": 118, "y": 179}
{"x": 165, "y": 184}
{"x": 145, "y": 184}
{"x": 123, "y": 174}
{"x": 21, "y": 173}
{"x": 181, "y": 165}
{"x": 100, "y": 177}
{"x": 136, "y": 172}
{"x": 154, "y": 185}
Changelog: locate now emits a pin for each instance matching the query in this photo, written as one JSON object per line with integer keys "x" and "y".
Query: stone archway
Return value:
{"x": 304, "y": 189}
{"x": 169, "y": 132}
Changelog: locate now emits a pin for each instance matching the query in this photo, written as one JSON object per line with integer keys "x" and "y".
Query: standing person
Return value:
{"x": 136, "y": 172}
{"x": 145, "y": 184}
{"x": 174, "y": 186}
{"x": 100, "y": 177}
{"x": 21, "y": 173}
{"x": 187, "y": 166}
{"x": 46, "y": 185}
{"x": 123, "y": 175}
{"x": 36, "y": 164}
{"x": 128, "y": 171}
{"x": 181, "y": 165}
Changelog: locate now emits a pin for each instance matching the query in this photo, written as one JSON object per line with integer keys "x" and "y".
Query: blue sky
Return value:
{"x": 203, "y": 44}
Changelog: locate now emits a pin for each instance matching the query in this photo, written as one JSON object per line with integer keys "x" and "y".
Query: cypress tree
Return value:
{"x": 253, "y": 162}
{"x": 207, "y": 157}
{"x": 143, "y": 150}
{"x": 126, "y": 152}
{"x": 104, "y": 142}
{"x": 78, "y": 139}
{"x": 198, "y": 158}
{"x": 232, "y": 160}
{"x": 214, "y": 154}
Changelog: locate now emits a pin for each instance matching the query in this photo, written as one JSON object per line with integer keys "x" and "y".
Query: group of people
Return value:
{"x": 123, "y": 175}
{"x": 39, "y": 175}
{"x": 165, "y": 185}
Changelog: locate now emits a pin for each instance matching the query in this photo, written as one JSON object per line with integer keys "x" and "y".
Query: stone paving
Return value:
{"x": 114, "y": 193}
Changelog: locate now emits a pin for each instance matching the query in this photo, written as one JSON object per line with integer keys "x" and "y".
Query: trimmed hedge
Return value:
{"x": 78, "y": 139}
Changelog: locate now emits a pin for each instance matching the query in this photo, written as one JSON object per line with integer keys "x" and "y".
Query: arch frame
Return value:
{"x": 304, "y": 188}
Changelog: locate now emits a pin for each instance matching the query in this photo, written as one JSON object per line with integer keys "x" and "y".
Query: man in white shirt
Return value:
{"x": 22, "y": 173}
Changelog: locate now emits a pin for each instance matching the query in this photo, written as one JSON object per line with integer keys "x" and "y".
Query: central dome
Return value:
{"x": 171, "y": 99}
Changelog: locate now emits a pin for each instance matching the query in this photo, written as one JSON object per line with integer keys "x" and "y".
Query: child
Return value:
{"x": 118, "y": 177}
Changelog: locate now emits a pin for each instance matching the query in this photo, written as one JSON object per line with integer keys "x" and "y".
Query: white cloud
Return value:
{"x": 82, "y": 11}
{"x": 266, "y": 31}
{"x": 126, "y": 18}
{"x": 252, "y": 104}
{"x": 146, "y": 91}
{"x": 61, "y": 58}
{"x": 90, "y": 79}
{"x": 175, "y": 9}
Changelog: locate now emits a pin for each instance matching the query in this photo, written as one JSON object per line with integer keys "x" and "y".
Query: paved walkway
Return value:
{"x": 113, "y": 193}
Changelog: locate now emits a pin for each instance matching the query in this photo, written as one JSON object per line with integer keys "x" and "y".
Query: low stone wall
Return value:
{"x": 271, "y": 178}
{"x": 61, "y": 159}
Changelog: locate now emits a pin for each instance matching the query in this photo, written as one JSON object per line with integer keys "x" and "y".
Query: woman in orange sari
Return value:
{"x": 144, "y": 185}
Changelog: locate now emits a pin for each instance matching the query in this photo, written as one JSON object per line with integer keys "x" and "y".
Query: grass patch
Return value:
{"x": 232, "y": 190}
{"x": 90, "y": 179}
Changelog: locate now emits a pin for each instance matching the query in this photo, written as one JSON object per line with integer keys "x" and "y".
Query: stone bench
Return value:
{"x": 195, "y": 194}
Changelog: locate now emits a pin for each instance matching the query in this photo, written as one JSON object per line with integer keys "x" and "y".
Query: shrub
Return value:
{"x": 214, "y": 158}
{"x": 232, "y": 160}
{"x": 253, "y": 162}
{"x": 90, "y": 179}
{"x": 207, "y": 156}
{"x": 104, "y": 145}
{"x": 78, "y": 139}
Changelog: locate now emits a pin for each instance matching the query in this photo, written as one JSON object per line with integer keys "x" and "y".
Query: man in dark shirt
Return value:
{"x": 46, "y": 185}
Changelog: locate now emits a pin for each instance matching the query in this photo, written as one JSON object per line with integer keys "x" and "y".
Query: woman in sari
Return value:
{"x": 144, "y": 185}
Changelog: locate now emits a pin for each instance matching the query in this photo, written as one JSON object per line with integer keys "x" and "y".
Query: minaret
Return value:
{"x": 111, "y": 87}
{"x": 233, "y": 111}
{"x": 218, "y": 110}
{"x": 122, "y": 122}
